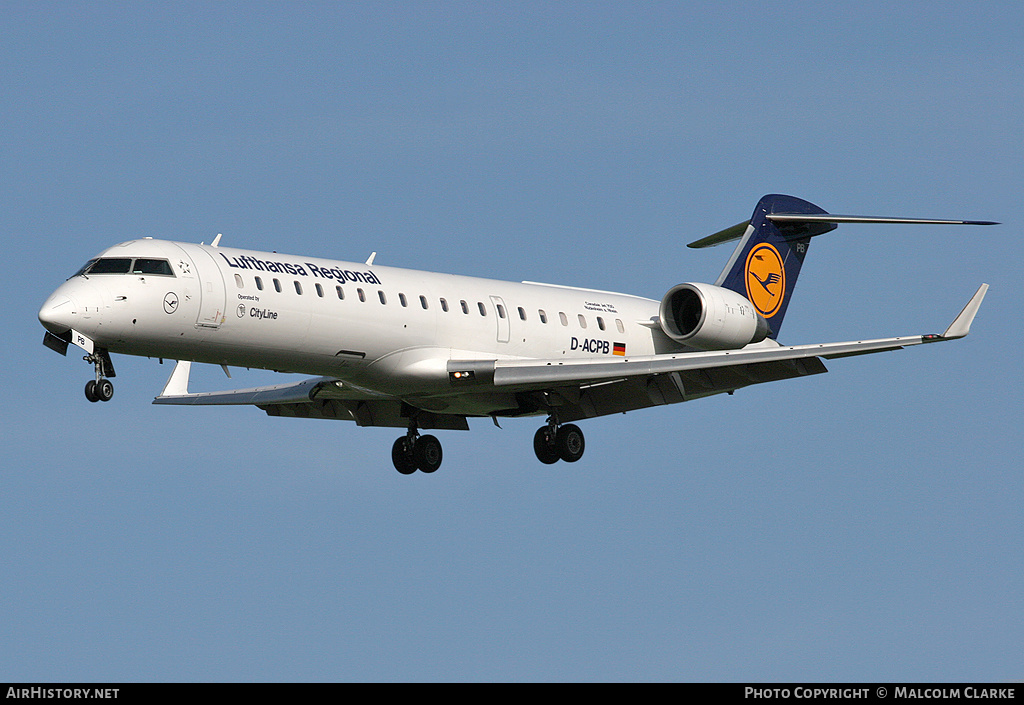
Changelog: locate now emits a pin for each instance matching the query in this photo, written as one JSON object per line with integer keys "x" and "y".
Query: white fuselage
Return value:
{"x": 419, "y": 350}
{"x": 388, "y": 329}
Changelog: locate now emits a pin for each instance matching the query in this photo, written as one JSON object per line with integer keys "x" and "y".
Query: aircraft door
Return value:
{"x": 213, "y": 295}
{"x": 501, "y": 315}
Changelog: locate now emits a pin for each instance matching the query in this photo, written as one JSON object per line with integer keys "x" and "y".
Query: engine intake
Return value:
{"x": 708, "y": 317}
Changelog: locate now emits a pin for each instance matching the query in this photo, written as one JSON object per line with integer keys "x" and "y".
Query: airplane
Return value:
{"x": 425, "y": 351}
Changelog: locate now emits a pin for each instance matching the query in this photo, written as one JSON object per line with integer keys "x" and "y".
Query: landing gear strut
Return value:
{"x": 555, "y": 442}
{"x": 413, "y": 452}
{"x": 101, "y": 388}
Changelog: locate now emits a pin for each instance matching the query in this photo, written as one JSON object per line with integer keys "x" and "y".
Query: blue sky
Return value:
{"x": 859, "y": 525}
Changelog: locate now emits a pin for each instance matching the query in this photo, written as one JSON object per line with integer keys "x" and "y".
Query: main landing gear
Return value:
{"x": 551, "y": 443}
{"x": 555, "y": 442}
{"x": 101, "y": 388}
{"x": 414, "y": 452}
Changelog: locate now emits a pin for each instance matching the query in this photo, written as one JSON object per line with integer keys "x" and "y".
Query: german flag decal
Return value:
{"x": 619, "y": 349}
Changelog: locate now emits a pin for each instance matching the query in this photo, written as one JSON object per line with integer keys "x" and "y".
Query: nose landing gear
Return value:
{"x": 101, "y": 388}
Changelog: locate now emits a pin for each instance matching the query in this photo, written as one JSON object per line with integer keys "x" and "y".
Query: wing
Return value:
{"x": 578, "y": 389}
{"x": 314, "y": 398}
{"x": 587, "y": 388}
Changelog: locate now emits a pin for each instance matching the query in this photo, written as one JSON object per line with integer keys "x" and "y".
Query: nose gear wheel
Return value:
{"x": 101, "y": 388}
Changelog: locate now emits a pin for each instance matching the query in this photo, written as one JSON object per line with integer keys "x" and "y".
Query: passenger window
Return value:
{"x": 319, "y": 291}
{"x": 444, "y": 305}
{"x": 600, "y": 323}
{"x": 259, "y": 283}
{"x": 362, "y": 295}
{"x": 238, "y": 281}
{"x": 298, "y": 288}
{"x": 341, "y": 292}
{"x": 563, "y": 319}
{"x": 522, "y": 314}
{"x": 277, "y": 285}
{"x": 480, "y": 305}
{"x": 619, "y": 326}
{"x": 423, "y": 302}
{"x": 582, "y": 319}
{"x": 465, "y": 307}
{"x": 543, "y": 316}
{"x": 402, "y": 300}
{"x": 383, "y": 299}
{"x": 501, "y": 311}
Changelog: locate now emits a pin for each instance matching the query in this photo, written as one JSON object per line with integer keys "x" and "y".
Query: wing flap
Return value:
{"x": 622, "y": 395}
{"x": 387, "y": 413}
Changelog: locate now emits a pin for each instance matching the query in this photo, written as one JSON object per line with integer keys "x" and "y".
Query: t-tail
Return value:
{"x": 766, "y": 263}
{"x": 773, "y": 244}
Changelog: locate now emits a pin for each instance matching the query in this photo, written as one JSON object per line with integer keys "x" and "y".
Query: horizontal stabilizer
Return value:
{"x": 737, "y": 231}
{"x": 831, "y": 218}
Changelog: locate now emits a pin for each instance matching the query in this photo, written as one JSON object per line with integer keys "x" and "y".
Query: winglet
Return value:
{"x": 961, "y": 326}
{"x": 177, "y": 383}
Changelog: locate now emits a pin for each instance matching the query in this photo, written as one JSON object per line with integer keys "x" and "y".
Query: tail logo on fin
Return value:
{"x": 765, "y": 279}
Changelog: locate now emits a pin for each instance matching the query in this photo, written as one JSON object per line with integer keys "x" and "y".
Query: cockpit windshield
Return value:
{"x": 152, "y": 266}
{"x": 126, "y": 265}
{"x": 85, "y": 268}
{"x": 111, "y": 265}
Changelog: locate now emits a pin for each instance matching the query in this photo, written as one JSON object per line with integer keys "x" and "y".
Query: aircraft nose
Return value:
{"x": 75, "y": 304}
{"x": 57, "y": 314}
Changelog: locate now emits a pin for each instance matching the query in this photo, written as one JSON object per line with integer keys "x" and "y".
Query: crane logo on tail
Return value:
{"x": 765, "y": 279}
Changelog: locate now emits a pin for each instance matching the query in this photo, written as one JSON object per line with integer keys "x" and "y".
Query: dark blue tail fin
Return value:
{"x": 764, "y": 266}
{"x": 766, "y": 263}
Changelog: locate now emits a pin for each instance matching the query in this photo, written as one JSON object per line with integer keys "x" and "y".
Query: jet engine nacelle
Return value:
{"x": 708, "y": 317}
